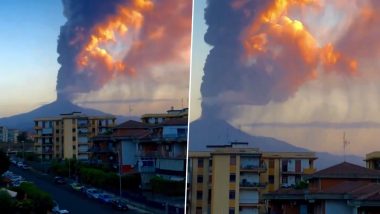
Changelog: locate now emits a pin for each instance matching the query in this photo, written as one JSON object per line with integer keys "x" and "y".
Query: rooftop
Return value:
{"x": 346, "y": 170}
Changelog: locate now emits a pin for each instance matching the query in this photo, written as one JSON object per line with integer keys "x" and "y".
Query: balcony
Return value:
{"x": 83, "y": 125}
{"x": 47, "y": 152}
{"x": 147, "y": 166}
{"x": 244, "y": 184}
{"x": 309, "y": 170}
{"x": 253, "y": 168}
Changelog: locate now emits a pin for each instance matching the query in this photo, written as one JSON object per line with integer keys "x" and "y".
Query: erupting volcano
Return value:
{"x": 104, "y": 42}
{"x": 266, "y": 53}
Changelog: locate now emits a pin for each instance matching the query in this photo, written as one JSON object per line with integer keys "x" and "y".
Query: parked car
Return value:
{"x": 106, "y": 197}
{"x": 76, "y": 186}
{"x": 59, "y": 180}
{"x": 20, "y": 164}
{"x": 57, "y": 210}
{"x": 25, "y": 167}
{"x": 93, "y": 193}
{"x": 120, "y": 204}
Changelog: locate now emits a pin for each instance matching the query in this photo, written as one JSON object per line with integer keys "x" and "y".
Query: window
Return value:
{"x": 200, "y": 163}
{"x": 57, "y": 123}
{"x": 284, "y": 179}
{"x": 57, "y": 131}
{"x": 210, "y": 162}
{"x": 284, "y": 165}
{"x": 232, "y": 194}
{"x": 74, "y": 147}
{"x": 200, "y": 179}
{"x": 74, "y": 129}
{"x": 233, "y": 160}
{"x": 232, "y": 177}
{"x": 231, "y": 210}
{"x": 271, "y": 163}
{"x": 199, "y": 210}
{"x": 74, "y": 138}
{"x": 209, "y": 196}
{"x": 271, "y": 179}
{"x": 199, "y": 195}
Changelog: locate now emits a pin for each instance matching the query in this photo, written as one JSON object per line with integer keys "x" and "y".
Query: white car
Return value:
{"x": 93, "y": 193}
{"x": 20, "y": 164}
{"x": 57, "y": 210}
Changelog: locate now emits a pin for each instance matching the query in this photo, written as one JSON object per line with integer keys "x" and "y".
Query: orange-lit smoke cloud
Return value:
{"x": 289, "y": 43}
{"x": 149, "y": 34}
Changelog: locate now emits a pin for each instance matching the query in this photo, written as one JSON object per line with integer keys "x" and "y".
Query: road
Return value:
{"x": 75, "y": 202}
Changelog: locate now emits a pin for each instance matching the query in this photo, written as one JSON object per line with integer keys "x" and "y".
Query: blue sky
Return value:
{"x": 199, "y": 53}
{"x": 28, "y": 39}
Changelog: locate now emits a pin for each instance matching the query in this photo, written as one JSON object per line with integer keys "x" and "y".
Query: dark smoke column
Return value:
{"x": 223, "y": 71}
{"x": 81, "y": 16}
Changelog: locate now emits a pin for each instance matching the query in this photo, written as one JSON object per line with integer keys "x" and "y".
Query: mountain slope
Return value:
{"x": 25, "y": 121}
{"x": 207, "y": 131}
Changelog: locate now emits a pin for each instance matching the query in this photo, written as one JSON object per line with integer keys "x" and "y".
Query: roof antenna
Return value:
{"x": 345, "y": 144}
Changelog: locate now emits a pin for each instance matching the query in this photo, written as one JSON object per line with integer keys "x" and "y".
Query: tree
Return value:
{"x": 6, "y": 202}
{"x": 4, "y": 162}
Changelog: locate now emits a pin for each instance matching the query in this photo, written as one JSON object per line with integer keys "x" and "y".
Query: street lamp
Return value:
{"x": 119, "y": 162}
{"x": 23, "y": 156}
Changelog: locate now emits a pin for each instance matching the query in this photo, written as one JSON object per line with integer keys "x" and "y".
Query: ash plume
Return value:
{"x": 104, "y": 41}
{"x": 260, "y": 54}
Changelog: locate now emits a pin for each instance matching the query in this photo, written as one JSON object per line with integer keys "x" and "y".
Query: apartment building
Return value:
{"x": 232, "y": 178}
{"x": 3, "y": 134}
{"x": 150, "y": 149}
{"x": 13, "y": 135}
{"x": 67, "y": 136}
{"x": 157, "y": 118}
{"x": 342, "y": 188}
{"x": 286, "y": 169}
{"x": 373, "y": 160}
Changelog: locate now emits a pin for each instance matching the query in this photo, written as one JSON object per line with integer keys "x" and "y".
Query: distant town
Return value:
{"x": 141, "y": 162}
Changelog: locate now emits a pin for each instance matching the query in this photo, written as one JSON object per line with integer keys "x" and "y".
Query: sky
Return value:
{"x": 102, "y": 66}
{"x": 199, "y": 53}
{"x": 29, "y": 32}
{"x": 312, "y": 109}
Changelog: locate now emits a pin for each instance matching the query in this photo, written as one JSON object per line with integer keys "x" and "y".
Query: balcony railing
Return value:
{"x": 156, "y": 154}
{"x": 252, "y": 167}
{"x": 249, "y": 184}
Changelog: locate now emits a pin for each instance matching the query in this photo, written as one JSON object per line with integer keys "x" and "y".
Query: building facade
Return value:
{"x": 157, "y": 118}
{"x": 232, "y": 178}
{"x": 67, "y": 136}
{"x": 342, "y": 188}
{"x": 151, "y": 149}
{"x": 3, "y": 134}
{"x": 13, "y": 135}
{"x": 373, "y": 160}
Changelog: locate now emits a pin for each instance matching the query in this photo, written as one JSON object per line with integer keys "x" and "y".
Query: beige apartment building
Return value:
{"x": 231, "y": 178}
{"x": 67, "y": 136}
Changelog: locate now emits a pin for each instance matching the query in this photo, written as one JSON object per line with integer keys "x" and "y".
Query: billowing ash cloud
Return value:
{"x": 261, "y": 54}
{"x": 104, "y": 40}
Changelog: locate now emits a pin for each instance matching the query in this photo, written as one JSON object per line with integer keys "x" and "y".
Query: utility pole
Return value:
{"x": 119, "y": 160}
{"x": 345, "y": 143}
{"x": 23, "y": 151}
{"x": 69, "y": 168}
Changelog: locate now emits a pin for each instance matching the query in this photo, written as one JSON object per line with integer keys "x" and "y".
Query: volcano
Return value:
{"x": 211, "y": 131}
{"x": 25, "y": 121}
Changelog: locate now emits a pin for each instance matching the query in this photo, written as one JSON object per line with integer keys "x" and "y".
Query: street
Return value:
{"x": 67, "y": 199}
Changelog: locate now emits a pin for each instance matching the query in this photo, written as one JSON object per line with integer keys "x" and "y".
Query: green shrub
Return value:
{"x": 167, "y": 187}
{"x": 6, "y": 202}
{"x": 42, "y": 201}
